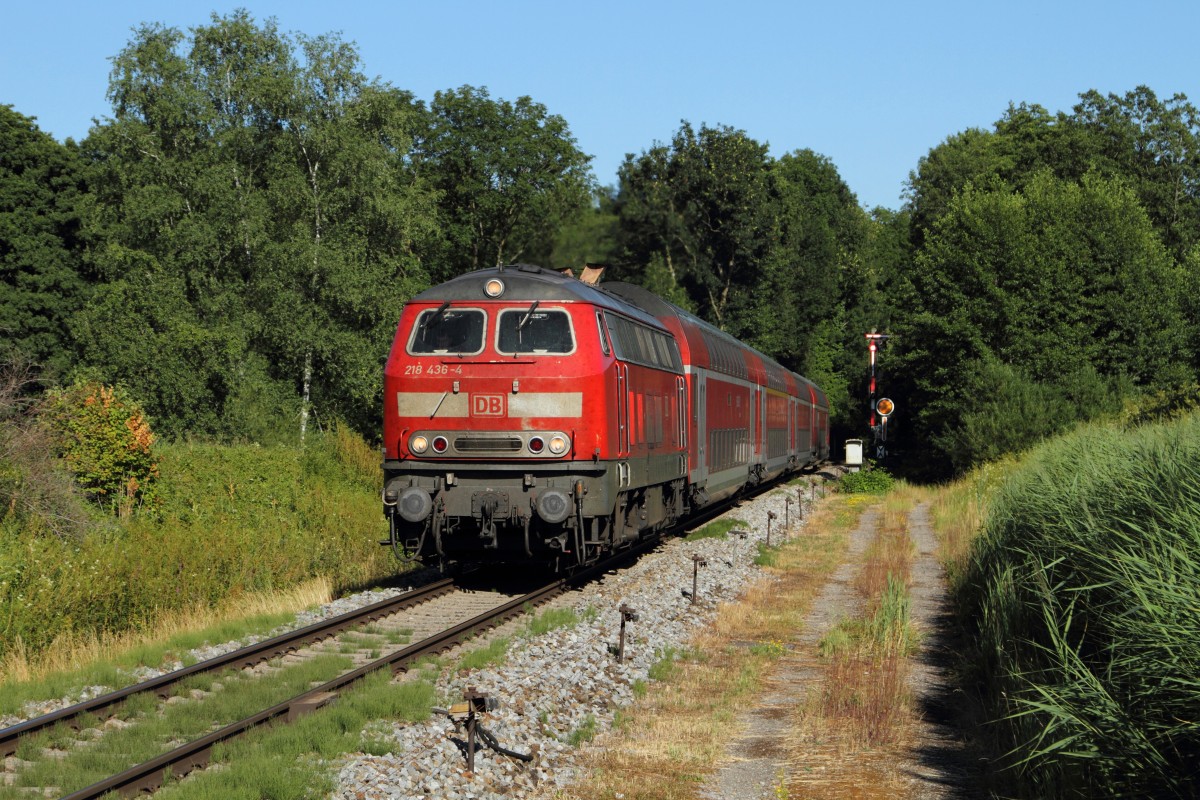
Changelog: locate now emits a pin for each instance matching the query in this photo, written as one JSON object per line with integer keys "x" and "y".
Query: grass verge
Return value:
{"x": 1082, "y": 592}
{"x": 862, "y": 702}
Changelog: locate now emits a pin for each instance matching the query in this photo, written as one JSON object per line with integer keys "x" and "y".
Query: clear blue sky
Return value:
{"x": 872, "y": 86}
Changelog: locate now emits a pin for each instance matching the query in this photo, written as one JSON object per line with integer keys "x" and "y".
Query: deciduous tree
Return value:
{"x": 41, "y": 284}
{"x": 508, "y": 175}
{"x": 257, "y": 184}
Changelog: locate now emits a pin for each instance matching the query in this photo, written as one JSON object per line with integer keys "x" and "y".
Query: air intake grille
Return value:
{"x": 487, "y": 444}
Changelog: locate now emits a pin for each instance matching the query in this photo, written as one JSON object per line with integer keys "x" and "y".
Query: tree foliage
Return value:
{"x": 1044, "y": 285}
{"x": 508, "y": 174}
{"x": 771, "y": 250}
{"x": 1151, "y": 144}
{"x": 41, "y": 183}
{"x": 256, "y": 213}
{"x": 702, "y": 206}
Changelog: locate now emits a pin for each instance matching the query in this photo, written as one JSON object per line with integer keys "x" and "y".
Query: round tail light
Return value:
{"x": 536, "y": 444}
{"x": 440, "y": 444}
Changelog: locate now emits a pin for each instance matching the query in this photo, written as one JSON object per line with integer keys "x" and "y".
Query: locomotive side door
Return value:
{"x": 622, "y": 409}
{"x": 700, "y": 415}
{"x": 681, "y": 413}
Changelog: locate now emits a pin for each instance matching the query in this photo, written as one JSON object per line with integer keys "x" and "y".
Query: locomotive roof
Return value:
{"x": 526, "y": 282}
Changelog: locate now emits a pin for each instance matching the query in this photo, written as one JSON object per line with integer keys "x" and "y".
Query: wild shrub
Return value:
{"x": 364, "y": 462}
{"x": 105, "y": 440}
{"x": 874, "y": 480}
{"x": 1003, "y": 410}
{"x": 228, "y": 520}
{"x": 36, "y": 494}
{"x": 1162, "y": 405}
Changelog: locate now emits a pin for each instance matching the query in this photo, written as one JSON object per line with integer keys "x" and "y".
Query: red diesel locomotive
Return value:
{"x": 533, "y": 416}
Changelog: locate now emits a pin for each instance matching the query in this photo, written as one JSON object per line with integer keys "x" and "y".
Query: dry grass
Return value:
{"x": 856, "y": 726}
{"x": 863, "y": 698}
{"x": 958, "y": 510}
{"x": 668, "y": 743}
{"x": 863, "y": 703}
{"x": 71, "y": 651}
{"x": 890, "y": 555}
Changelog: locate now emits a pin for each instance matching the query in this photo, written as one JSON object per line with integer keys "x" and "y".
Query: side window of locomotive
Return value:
{"x": 641, "y": 345}
{"x": 603, "y": 335}
{"x": 535, "y": 331}
{"x": 448, "y": 330}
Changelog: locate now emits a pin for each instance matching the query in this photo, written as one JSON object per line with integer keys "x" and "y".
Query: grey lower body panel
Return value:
{"x": 512, "y": 511}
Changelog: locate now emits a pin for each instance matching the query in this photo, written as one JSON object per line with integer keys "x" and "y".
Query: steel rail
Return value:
{"x": 242, "y": 658}
{"x": 149, "y": 776}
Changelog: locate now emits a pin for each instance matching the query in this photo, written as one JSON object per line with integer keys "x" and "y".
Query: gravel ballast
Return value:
{"x": 558, "y": 688}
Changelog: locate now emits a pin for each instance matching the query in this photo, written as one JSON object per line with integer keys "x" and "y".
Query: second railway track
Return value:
{"x": 437, "y": 616}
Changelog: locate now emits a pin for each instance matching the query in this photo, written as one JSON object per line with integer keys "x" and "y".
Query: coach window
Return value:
{"x": 535, "y": 330}
{"x": 456, "y": 331}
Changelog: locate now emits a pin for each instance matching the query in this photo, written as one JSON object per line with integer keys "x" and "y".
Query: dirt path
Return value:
{"x": 760, "y": 765}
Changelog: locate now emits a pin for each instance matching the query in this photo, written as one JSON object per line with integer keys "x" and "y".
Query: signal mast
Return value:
{"x": 884, "y": 406}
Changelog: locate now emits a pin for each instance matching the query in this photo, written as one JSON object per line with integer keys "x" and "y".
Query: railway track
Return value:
{"x": 162, "y": 686}
{"x": 150, "y": 775}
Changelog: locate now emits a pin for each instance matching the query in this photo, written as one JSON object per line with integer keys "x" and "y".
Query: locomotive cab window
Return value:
{"x": 457, "y": 331}
{"x": 534, "y": 330}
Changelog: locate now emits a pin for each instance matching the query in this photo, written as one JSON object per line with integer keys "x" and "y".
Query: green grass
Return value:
{"x": 491, "y": 655}
{"x": 117, "y": 672}
{"x": 889, "y": 628}
{"x": 767, "y": 556}
{"x": 716, "y": 530}
{"x": 551, "y": 619}
{"x": 584, "y": 733}
{"x": 290, "y": 763}
{"x": 665, "y": 666}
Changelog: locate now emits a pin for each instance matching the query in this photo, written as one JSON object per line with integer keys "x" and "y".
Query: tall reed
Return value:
{"x": 1085, "y": 590}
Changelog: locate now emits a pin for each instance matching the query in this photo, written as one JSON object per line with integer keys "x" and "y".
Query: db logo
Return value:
{"x": 487, "y": 405}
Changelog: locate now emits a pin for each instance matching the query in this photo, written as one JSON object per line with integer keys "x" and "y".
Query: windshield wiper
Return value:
{"x": 525, "y": 319}
{"x": 436, "y": 317}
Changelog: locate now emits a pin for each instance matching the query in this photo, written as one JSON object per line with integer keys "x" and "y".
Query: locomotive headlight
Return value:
{"x": 559, "y": 444}
{"x": 494, "y": 287}
{"x": 418, "y": 444}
